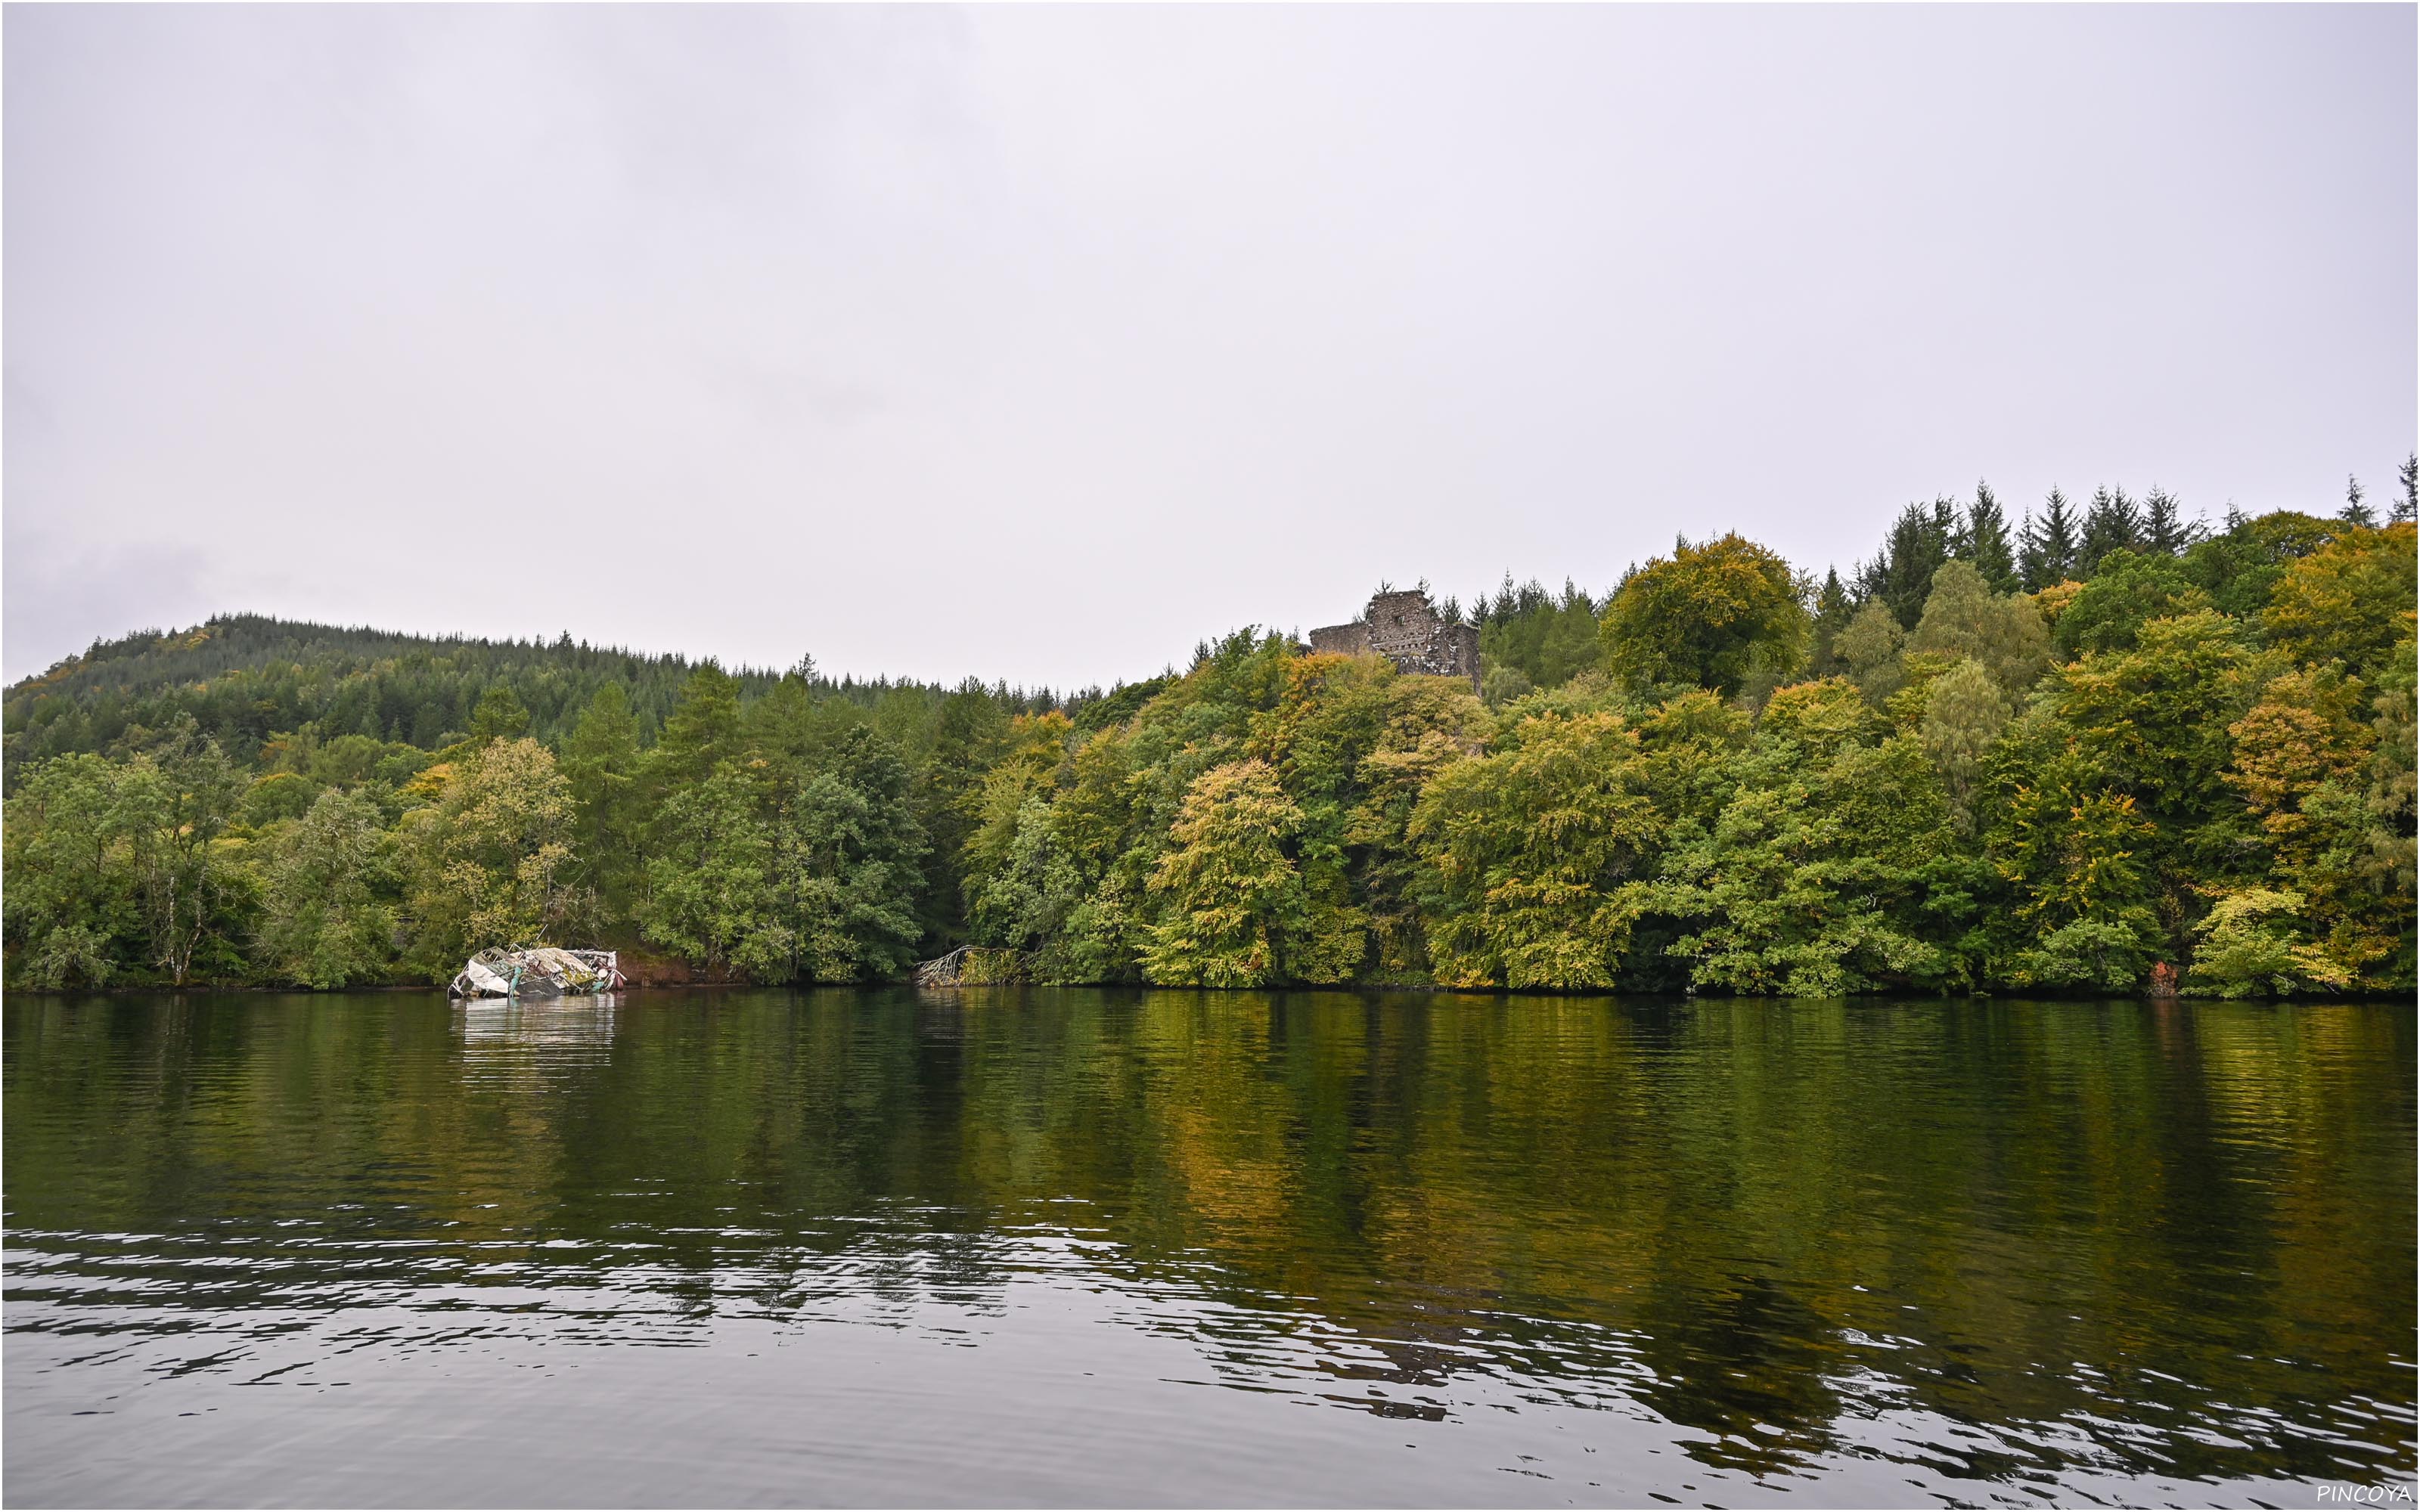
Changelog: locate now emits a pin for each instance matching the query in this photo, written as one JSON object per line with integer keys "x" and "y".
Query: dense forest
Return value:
{"x": 2098, "y": 749}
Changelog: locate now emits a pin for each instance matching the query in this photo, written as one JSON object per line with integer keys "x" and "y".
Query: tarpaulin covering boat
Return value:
{"x": 544, "y": 972}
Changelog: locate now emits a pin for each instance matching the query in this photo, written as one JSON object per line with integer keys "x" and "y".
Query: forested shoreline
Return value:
{"x": 2098, "y": 749}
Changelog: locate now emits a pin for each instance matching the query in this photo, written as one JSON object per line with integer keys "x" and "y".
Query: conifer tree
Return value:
{"x": 2356, "y": 510}
{"x": 500, "y": 716}
{"x": 2164, "y": 527}
{"x": 1901, "y": 577}
{"x": 1947, "y": 525}
{"x": 2112, "y": 522}
{"x": 2048, "y": 543}
{"x": 1987, "y": 544}
{"x": 2408, "y": 507}
{"x": 1834, "y": 609}
{"x": 602, "y": 764}
{"x": 702, "y": 730}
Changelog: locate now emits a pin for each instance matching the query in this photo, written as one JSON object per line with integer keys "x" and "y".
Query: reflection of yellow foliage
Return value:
{"x": 1738, "y": 1213}
{"x": 1223, "y": 1121}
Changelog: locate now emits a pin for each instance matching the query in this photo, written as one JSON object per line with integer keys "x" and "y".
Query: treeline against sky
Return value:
{"x": 2098, "y": 749}
{"x": 245, "y": 678}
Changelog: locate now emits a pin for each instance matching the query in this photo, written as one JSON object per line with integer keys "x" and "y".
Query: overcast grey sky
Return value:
{"x": 1039, "y": 344}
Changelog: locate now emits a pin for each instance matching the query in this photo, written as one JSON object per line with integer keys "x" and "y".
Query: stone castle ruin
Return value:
{"x": 1407, "y": 629}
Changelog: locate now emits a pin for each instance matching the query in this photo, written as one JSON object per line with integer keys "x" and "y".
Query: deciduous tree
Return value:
{"x": 1705, "y": 616}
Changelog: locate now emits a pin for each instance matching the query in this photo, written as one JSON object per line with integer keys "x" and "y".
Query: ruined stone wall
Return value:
{"x": 1343, "y": 640}
{"x": 1405, "y": 629}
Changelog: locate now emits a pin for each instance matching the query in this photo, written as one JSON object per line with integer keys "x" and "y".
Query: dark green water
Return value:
{"x": 1086, "y": 1248}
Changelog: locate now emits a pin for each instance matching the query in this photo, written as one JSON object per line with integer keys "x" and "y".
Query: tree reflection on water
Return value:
{"x": 2138, "y": 1238}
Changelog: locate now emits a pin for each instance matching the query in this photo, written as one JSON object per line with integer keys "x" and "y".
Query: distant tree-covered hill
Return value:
{"x": 247, "y": 678}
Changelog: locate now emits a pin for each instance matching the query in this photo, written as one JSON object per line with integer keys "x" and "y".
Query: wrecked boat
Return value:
{"x": 544, "y": 972}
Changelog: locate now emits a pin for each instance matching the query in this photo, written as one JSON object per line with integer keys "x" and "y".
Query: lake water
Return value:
{"x": 1073, "y": 1246}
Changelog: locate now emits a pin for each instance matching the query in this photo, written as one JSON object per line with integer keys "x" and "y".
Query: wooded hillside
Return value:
{"x": 2098, "y": 749}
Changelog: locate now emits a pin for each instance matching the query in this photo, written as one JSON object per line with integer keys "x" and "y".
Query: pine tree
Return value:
{"x": 1833, "y": 610}
{"x": 499, "y": 716}
{"x": 1946, "y": 524}
{"x": 602, "y": 761}
{"x": 2356, "y": 511}
{"x": 2164, "y": 527}
{"x": 2112, "y": 522}
{"x": 2408, "y": 507}
{"x": 1986, "y": 538}
{"x": 1918, "y": 544}
{"x": 1503, "y": 607}
{"x": 702, "y": 730}
{"x": 2048, "y": 543}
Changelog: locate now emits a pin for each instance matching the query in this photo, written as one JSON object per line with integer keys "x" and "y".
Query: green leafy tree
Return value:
{"x": 176, "y": 800}
{"x": 2250, "y": 946}
{"x": 2126, "y": 594}
{"x": 708, "y": 894}
{"x": 73, "y": 896}
{"x": 1334, "y": 737}
{"x": 2390, "y": 768}
{"x": 1032, "y": 753}
{"x": 1818, "y": 720}
{"x": 2348, "y": 601}
{"x": 2151, "y": 724}
{"x": 1102, "y": 827}
{"x": 2238, "y": 567}
{"x": 1965, "y": 710}
{"x": 2002, "y": 632}
{"x": 1535, "y": 849}
{"x": 1233, "y": 910}
{"x": 2074, "y": 852}
{"x": 1026, "y": 903}
{"x": 276, "y": 797}
{"x": 2110, "y": 809}
{"x": 1818, "y": 877}
{"x": 1869, "y": 650}
{"x": 2303, "y": 762}
{"x": 844, "y": 847}
{"x": 1705, "y": 617}
{"x": 326, "y": 876}
{"x": 489, "y": 862}
{"x": 797, "y": 864}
